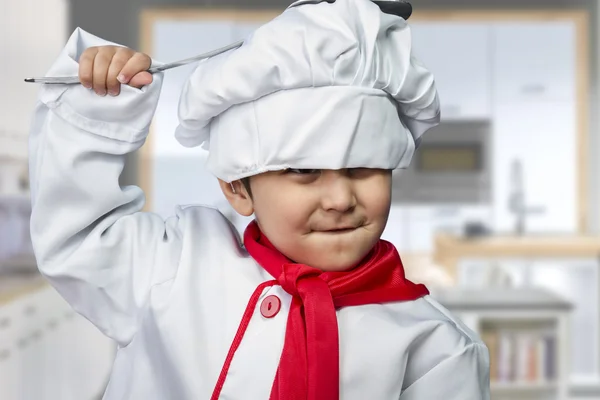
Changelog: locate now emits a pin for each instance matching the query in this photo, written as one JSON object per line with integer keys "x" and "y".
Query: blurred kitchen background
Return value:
{"x": 499, "y": 213}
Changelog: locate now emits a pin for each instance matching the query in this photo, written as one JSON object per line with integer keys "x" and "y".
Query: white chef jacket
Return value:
{"x": 172, "y": 292}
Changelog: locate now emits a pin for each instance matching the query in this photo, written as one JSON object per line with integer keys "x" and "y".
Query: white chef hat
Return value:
{"x": 322, "y": 86}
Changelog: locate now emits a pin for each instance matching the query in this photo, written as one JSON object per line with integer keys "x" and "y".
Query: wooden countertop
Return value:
{"x": 500, "y": 298}
{"x": 13, "y": 286}
{"x": 450, "y": 249}
{"x": 511, "y": 246}
{"x": 19, "y": 276}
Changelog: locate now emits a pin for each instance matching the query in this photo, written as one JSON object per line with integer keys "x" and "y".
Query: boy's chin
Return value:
{"x": 336, "y": 256}
{"x": 336, "y": 264}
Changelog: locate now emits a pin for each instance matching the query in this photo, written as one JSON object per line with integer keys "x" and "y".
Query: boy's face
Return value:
{"x": 322, "y": 218}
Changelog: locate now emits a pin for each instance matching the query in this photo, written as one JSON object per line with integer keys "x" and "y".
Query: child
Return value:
{"x": 304, "y": 124}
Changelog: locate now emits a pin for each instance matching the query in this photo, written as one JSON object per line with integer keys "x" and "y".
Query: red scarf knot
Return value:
{"x": 294, "y": 275}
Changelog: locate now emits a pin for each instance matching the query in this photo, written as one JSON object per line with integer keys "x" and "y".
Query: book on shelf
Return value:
{"x": 521, "y": 356}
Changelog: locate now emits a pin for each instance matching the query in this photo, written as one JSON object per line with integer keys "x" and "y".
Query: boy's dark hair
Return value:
{"x": 246, "y": 183}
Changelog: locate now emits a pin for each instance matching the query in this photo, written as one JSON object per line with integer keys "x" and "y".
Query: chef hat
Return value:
{"x": 322, "y": 86}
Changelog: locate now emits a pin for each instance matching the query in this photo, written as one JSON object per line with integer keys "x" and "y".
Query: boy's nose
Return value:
{"x": 338, "y": 193}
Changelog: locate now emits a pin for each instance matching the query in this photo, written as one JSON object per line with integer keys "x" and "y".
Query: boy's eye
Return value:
{"x": 303, "y": 171}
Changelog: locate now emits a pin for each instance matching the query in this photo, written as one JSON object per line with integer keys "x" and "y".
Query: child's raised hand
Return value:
{"x": 104, "y": 68}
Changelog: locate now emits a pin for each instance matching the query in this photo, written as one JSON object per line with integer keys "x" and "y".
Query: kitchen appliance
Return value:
{"x": 451, "y": 165}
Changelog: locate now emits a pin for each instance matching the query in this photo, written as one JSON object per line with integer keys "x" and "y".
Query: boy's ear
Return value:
{"x": 239, "y": 198}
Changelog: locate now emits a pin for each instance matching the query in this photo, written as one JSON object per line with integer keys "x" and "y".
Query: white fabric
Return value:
{"x": 321, "y": 86}
{"x": 173, "y": 292}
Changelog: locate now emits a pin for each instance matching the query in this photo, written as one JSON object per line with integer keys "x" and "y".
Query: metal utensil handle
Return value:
{"x": 69, "y": 80}
{"x": 190, "y": 60}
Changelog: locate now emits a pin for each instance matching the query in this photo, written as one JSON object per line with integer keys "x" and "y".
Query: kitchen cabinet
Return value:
{"x": 9, "y": 363}
{"x": 47, "y": 351}
{"x": 171, "y": 42}
{"x": 535, "y": 122}
{"x": 542, "y": 137}
{"x": 458, "y": 54}
{"x": 534, "y": 61}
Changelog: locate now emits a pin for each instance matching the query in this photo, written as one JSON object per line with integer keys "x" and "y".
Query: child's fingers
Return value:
{"x": 86, "y": 67}
{"x": 138, "y": 63}
{"x": 119, "y": 60}
{"x": 101, "y": 65}
{"x": 141, "y": 79}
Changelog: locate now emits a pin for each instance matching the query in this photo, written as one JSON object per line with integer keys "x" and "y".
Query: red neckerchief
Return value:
{"x": 309, "y": 364}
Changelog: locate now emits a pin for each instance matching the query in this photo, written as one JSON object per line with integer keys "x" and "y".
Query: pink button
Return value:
{"x": 270, "y": 306}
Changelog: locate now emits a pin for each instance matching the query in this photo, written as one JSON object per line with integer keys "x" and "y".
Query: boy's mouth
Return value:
{"x": 344, "y": 229}
{"x": 338, "y": 227}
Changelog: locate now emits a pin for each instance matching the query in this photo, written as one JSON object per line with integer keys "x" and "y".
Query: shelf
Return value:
{"x": 585, "y": 387}
{"x": 491, "y": 299}
{"x": 539, "y": 324}
{"x": 523, "y": 386}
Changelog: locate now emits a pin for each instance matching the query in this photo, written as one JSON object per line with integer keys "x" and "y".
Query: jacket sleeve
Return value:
{"x": 463, "y": 376}
{"x": 90, "y": 239}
